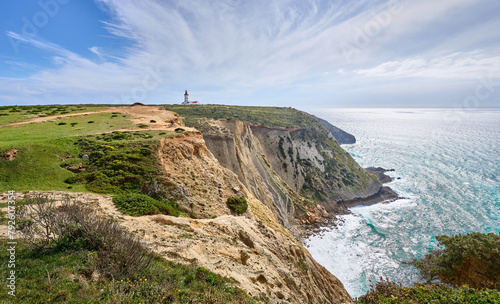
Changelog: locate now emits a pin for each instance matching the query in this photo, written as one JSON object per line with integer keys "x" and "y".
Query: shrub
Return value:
{"x": 138, "y": 204}
{"x": 61, "y": 124}
{"x": 237, "y": 205}
{"x": 472, "y": 259}
{"x": 168, "y": 207}
{"x": 74, "y": 124}
{"x": 179, "y": 130}
{"x": 390, "y": 292}
{"x": 135, "y": 204}
{"x": 71, "y": 180}
{"x": 90, "y": 121}
{"x": 142, "y": 126}
{"x": 152, "y": 121}
{"x": 47, "y": 225}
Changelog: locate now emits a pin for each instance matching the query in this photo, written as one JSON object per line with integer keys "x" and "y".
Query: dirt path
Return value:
{"x": 49, "y": 118}
{"x": 155, "y": 117}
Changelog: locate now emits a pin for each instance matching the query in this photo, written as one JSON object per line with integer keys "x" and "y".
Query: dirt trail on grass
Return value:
{"x": 151, "y": 117}
{"x": 49, "y": 118}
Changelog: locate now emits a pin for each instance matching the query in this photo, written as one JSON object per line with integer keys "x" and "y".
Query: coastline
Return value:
{"x": 384, "y": 195}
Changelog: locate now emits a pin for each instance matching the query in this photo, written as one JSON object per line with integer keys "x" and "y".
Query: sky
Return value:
{"x": 303, "y": 54}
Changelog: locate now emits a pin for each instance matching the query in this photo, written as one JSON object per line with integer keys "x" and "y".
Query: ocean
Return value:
{"x": 447, "y": 167}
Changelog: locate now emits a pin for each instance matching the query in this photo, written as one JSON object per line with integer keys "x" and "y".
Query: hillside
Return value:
{"x": 126, "y": 150}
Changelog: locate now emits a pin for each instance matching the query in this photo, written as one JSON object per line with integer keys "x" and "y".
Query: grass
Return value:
{"x": 13, "y": 114}
{"x": 386, "y": 292}
{"x": 43, "y": 147}
{"x": 13, "y": 136}
{"x": 38, "y": 164}
{"x": 266, "y": 116}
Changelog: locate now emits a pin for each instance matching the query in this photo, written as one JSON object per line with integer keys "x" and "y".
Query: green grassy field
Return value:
{"x": 13, "y": 114}
{"x": 12, "y": 136}
{"x": 44, "y": 146}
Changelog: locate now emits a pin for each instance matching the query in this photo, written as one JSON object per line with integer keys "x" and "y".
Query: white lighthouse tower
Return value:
{"x": 186, "y": 98}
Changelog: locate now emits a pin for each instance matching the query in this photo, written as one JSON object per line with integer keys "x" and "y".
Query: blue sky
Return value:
{"x": 305, "y": 54}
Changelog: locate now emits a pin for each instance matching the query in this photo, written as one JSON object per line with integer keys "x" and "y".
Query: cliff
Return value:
{"x": 300, "y": 174}
{"x": 255, "y": 250}
{"x": 340, "y": 135}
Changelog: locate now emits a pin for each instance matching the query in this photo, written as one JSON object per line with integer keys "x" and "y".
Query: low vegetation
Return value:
{"x": 137, "y": 204}
{"x": 265, "y": 116}
{"x": 385, "y": 292}
{"x": 472, "y": 259}
{"x": 89, "y": 259}
{"x": 115, "y": 162}
{"x": 465, "y": 269}
{"x": 237, "y": 205}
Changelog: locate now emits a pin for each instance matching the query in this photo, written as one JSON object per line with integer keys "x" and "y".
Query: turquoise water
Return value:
{"x": 448, "y": 165}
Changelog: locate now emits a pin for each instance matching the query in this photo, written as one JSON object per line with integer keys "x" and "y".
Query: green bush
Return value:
{"x": 462, "y": 255}
{"x": 138, "y": 204}
{"x": 179, "y": 130}
{"x": 71, "y": 180}
{"x": 237, "y": 205}
{"x": 386, "y": 292}
{"x": 167, "y": 207}
{"x": 135, "y": 204}
{"x": 116, "y": 167}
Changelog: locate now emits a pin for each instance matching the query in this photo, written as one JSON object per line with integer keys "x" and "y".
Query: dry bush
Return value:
{"x": 49, "y": 225}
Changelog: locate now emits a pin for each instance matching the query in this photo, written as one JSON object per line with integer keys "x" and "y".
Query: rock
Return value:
{"x": 280, "y": 295}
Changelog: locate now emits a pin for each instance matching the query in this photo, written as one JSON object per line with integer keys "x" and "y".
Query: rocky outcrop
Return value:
{"x": 340, "y": 135}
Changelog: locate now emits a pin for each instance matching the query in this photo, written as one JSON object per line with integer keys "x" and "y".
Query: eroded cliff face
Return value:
{"x": 297, "y": 173}
{"x": 254, "y": 249}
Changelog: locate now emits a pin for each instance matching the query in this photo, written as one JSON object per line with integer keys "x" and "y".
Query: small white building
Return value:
{"x": 186, "y": 100}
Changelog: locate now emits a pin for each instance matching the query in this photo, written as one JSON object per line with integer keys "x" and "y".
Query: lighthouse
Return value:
{"x": 186, "y": 100}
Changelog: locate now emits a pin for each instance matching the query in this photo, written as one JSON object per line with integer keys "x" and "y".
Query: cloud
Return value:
{"x": 458, "y": 65}
{"x": 96, "y": 50}
{"x": 240, "y": 47}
